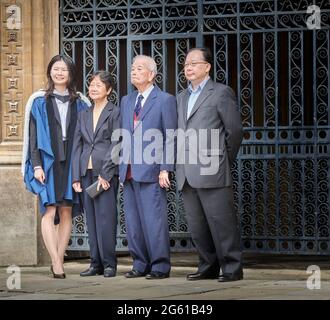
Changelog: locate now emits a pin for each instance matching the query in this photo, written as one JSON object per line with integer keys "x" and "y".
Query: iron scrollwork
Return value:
{"x": 265, "y": 51}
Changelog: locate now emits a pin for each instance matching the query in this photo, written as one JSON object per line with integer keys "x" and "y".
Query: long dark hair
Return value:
{"x": 71, "y": 85}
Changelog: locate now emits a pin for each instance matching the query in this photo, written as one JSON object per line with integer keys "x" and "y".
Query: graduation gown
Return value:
{"x": 46, "y": 192}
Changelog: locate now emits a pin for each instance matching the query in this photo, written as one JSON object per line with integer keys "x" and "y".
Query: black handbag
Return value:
{"x": 92, "y": 190}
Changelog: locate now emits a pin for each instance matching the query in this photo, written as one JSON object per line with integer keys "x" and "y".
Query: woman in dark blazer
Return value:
{"x": 93, "y": 160}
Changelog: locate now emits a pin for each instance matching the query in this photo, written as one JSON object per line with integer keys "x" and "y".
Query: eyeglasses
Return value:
{"x": 59, "y": 69}
{"x": 194, "y": 63}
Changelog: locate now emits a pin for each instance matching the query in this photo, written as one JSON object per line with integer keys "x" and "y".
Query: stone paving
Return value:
{"x": 265, "y": 277}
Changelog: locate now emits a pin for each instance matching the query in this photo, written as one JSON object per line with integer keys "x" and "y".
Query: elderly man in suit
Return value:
{"x": 147, "y": 112}
{"x": 209, "y": 117}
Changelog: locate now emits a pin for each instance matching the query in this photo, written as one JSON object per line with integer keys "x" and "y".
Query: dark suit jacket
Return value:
{"x": 158, "y": 114}
{"x": 98, "y": 144}
{"x": 216, "y": 108}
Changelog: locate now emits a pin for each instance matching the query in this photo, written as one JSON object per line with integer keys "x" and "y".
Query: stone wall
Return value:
{"x": 18, "y": 223}
{"x": 29, "y": 37}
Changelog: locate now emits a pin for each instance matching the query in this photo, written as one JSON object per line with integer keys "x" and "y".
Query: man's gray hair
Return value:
{"x": 151, "y": 63}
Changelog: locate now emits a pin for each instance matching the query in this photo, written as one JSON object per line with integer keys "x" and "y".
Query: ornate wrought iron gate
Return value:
{"x": 280, "y": 71}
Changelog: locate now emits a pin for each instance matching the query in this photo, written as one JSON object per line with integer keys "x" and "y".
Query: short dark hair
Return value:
{"x": 105, "y": 77}
{"x": 206, "y": 52}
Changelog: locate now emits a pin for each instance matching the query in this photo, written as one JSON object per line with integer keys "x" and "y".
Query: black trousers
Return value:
{"x": 212, "y": 221}
{"x": 101, "y": 215}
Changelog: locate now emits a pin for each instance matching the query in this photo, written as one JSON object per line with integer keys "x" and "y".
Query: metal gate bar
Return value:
{"x": 280, "y": 72}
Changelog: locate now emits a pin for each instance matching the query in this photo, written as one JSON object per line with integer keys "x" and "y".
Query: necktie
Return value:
{"x": 138, "y": 105}
{"x": 64, "y": 99}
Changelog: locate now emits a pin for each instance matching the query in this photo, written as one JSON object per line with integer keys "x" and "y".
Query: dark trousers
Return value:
{"x": 212, "y": 221}
{"x": 145, "y": 208}
{"x": 101, "y": 216}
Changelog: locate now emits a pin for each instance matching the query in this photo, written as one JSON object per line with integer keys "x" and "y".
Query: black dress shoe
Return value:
{"x": 227, "y": 277}
{"x": 91, "y": 271}
{"x": 157, "y": 275}
{"x": 202, "y": 275}
{"x": 134, "y": 274}
{"x": 109, "y": 272}
{"x": 57, "y": 275}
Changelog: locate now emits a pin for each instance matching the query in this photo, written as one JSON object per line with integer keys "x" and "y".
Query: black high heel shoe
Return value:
{"x": 57, "y": 275}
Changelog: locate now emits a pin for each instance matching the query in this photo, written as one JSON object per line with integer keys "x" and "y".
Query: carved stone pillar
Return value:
{"x": 29, "y": 34}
